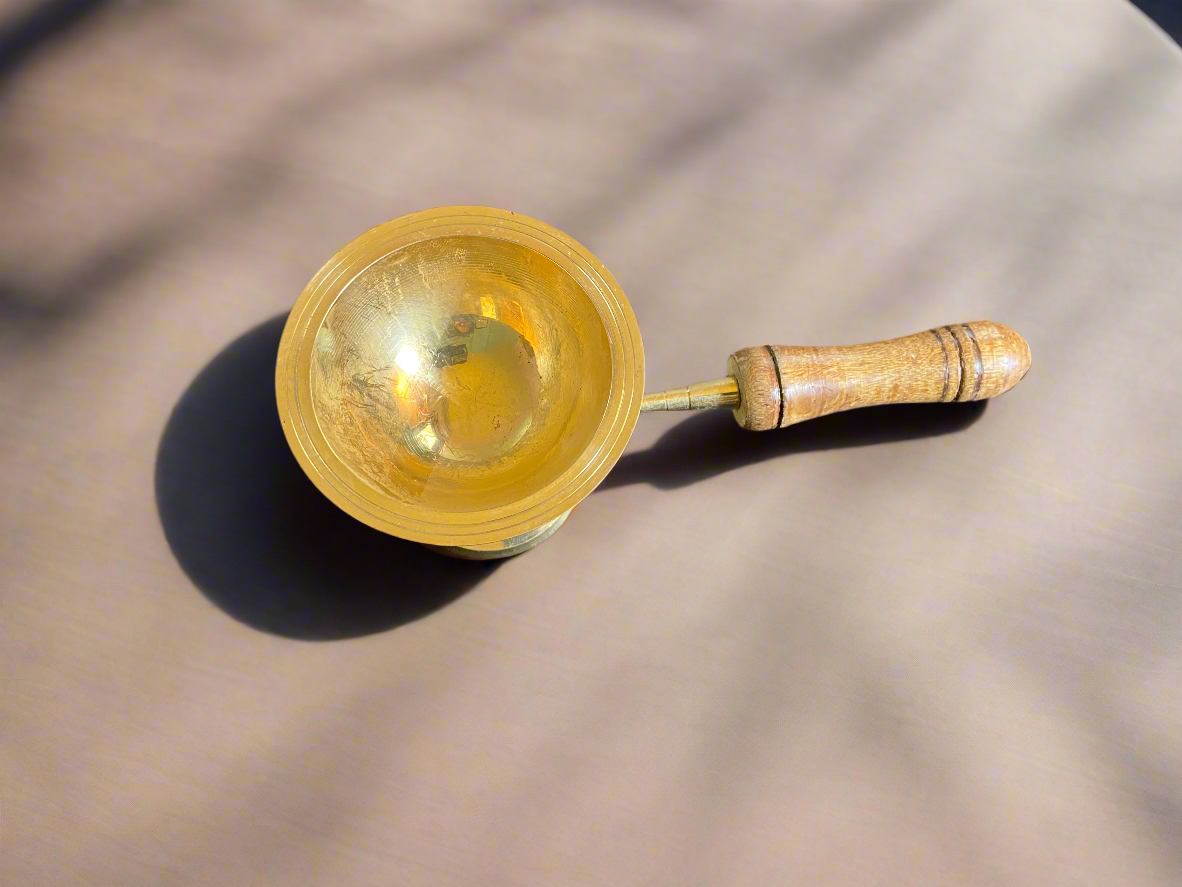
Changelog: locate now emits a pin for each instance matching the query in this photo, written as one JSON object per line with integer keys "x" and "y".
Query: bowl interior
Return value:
{"x": 460, "y": 373}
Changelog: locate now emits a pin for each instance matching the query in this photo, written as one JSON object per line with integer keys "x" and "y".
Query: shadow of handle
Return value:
{"x": 710, "y": 443}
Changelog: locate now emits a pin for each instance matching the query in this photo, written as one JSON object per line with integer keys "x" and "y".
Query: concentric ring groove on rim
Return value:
{"x": 407, "y": 520}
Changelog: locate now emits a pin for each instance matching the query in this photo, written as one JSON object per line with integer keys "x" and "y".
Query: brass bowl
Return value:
{"x": 460, "y": 377}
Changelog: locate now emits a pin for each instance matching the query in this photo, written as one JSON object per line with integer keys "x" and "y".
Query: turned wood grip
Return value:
{"x": 780, "y": 385}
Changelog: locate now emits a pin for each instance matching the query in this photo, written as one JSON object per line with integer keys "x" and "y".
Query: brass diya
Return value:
{"x": 463, "y": 376}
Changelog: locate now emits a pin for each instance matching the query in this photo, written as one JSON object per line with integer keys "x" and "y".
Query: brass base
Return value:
{"x": 506, "y": 547}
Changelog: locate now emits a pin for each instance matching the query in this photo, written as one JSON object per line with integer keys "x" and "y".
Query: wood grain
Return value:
{"x": 780, "y": 385}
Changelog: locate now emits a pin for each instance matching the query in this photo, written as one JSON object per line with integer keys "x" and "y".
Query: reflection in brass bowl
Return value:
{"x": 460, "y": 377}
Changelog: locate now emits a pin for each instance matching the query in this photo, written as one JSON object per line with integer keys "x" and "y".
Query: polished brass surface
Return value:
{"x": 702, "y": 396}
{"x": 443, "y": 378}
{"x": 461, "y": 376}
{"x": 506, "y": 547}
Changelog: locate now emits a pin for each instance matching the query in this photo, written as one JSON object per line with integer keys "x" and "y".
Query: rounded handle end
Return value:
{"x": 1004, "y": 358}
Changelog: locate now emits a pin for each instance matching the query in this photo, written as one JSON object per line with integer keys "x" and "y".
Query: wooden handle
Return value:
{"x": 780, "y": 385}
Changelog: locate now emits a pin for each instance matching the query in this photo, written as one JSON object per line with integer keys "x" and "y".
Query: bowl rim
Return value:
{"x": 345, "y": 488}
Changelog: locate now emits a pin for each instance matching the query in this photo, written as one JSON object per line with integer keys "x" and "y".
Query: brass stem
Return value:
{"x": 703, "y": 396}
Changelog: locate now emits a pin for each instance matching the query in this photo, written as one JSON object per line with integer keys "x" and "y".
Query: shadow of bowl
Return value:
{"x": 258, "y": 539}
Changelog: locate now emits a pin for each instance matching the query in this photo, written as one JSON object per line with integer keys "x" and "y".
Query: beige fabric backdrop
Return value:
{"x": 918, "y": 646}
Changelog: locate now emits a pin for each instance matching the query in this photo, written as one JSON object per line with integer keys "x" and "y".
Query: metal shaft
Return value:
{"x": 703, "y": 396}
